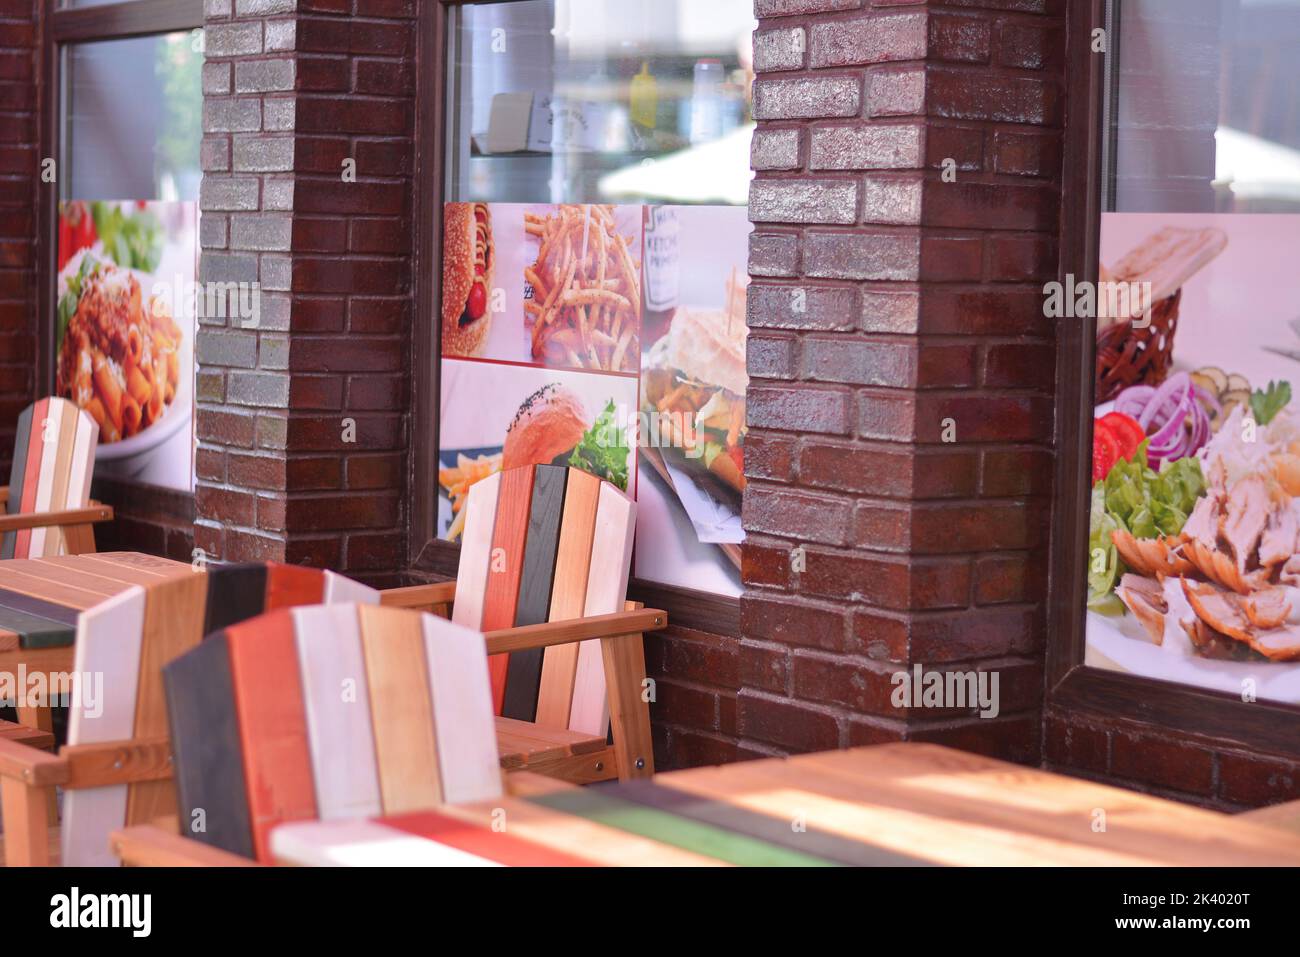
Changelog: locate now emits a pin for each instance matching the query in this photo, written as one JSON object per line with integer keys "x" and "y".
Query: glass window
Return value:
{"x": 132, "y": 119}
{"x": 1194, "y": 548}
{"x": 1207, "y": 107}
{"x": 598, "y": 101}
{"x": 595, "y": 241}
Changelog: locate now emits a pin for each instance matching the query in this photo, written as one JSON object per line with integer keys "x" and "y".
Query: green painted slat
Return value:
{"x": 34, "y": 631}
{"x": 704, "y": 839}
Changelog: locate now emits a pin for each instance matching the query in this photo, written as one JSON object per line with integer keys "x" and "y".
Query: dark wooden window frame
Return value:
{"x": 1073, "y": 687}
{"x": 428, "y": 554}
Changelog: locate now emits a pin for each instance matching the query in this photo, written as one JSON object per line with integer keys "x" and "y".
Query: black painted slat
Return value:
{"x": 524, "y": 676}
{"x": 21, "y": 440}
{"x": 208, "y": 757}
{"x": 39, "y": 607}
{"x": 235, "y": 593}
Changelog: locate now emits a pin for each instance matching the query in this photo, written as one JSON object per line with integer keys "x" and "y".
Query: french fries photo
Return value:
{"x": 586, "y": 291}
{"x": 457, "y": 481}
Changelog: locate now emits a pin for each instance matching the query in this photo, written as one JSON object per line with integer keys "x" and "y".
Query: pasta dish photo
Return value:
{"x": 118, "y": 359}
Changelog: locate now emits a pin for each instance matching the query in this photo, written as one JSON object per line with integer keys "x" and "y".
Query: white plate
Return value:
{"x": 1118, "y": 644}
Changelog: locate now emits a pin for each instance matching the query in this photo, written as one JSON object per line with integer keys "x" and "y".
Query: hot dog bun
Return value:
{"x": 461, "y": 338}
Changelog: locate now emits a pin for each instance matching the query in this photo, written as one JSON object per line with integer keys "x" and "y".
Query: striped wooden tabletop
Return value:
{"x": 41, "y": 597}
{"x": 895, "y": 804}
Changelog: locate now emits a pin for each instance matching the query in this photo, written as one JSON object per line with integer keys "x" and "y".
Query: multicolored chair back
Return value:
{"x": 545, "y": 543}
{"x": 54, "y": 455}
{"x": 341, "y": 711}
{"x": 122, "y": 645}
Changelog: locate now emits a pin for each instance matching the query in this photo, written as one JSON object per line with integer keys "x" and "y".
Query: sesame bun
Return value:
{"x": 708, "y": 348}
{"x": 462, "y": 338}
{"x": 550, "y": 422}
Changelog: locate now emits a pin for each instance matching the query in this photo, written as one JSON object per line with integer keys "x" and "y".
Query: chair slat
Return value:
{"x": 462, "y": 711}
{"x": 568, "y": 596}
{"x": 83, "y": 461}
{"x": 291, "y": 585}
{"x": 339, "y": 589}
{"x": 506, "y": 565}
{"x": 272, "y": 725}
{"x": 56, "y": 441}
{"x": 235, "y": 593}
{"x": 174, "y": 613}
{"x": 36, "y": 446}
{"x": 211, "y": 790}
{"x": 475, "y": 552}
{"x": 337, "y": 702}
{"x": 17, "y": 473}
{"x": 401, "y": 709}
{"x": 108, "y": 645}
{"x": 611, "y": 559}
{"x": 524, "y": 673}
{"x": 53, "y": 541}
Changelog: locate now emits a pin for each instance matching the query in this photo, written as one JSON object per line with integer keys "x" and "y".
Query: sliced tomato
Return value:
{"x": 1127, "y": 430}
{"x": 1105, "y": 450}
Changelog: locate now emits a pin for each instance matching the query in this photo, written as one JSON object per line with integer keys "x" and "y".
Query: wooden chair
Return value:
{"x": 548, "y": 544}
{"x": 115, "y": 768}
{"x": 48, "y": 510}
{"x": 327, "y": 713}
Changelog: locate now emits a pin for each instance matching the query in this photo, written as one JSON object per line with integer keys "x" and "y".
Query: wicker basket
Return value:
{"x": 1128, "y": 356}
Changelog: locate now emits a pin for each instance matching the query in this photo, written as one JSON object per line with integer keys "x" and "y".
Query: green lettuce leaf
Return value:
{"x": 603, "y": 450}
{"x": 1136, "y": 499}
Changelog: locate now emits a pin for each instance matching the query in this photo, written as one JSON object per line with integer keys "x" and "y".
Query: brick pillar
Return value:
{"x": 20, "y": 185}
{"x": 302, "y": 421}
{"x": 908, "y": 159}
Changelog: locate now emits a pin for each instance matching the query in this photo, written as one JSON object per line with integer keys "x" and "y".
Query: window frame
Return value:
{"x": 1072, "y": 686}
{"x": 427, "y": 554}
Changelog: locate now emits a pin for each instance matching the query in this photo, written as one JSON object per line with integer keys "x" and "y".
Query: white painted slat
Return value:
{"x": 339, "y": 589}
{"x": 337, "y": 703}
{"x": 103, "y": 709}
{"x": 363, "y": 844}
{"x": 50, "y": 435}
{"x": 464, "y": 726}
{"x": 611, "y": 561}
{"x": 476, "y": 551}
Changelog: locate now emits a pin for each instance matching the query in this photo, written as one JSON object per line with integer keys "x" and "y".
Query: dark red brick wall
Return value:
{"x": 302, "y": 422}
{"x": 886, "y": 304}
{"x": 19, "y": 183}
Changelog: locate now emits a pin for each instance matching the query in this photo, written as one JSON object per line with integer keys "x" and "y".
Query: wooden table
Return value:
{"x": 894, "y": 804}
{"x": 40, "y": 599}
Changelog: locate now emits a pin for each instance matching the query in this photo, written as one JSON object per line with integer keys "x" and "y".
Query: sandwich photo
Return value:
{"x": 695, "y": 380}
{"x": 468, "y": 262}
{"x": 552, "y": 428}
{"x": 553, "y": 425}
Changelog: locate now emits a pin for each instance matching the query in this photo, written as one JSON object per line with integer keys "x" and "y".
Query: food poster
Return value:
{"x": 553, "y": 285}
{"x": 566, "y": 324}
{"x": 495, "y": 416}
{"x": 1194, "y": 571}
{"x": 124, "y": 332}
{"x": 693, "y": 385}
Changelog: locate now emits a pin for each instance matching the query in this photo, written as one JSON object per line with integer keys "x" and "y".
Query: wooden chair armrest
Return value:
{"x": 147, "y": 846}
{"x": 21, "y": 734}
{"x": 22, "y": 762}
{"x": 577, "y": 629}
{"x": 420, "y": 597}
{"x": 94, "y": 512}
